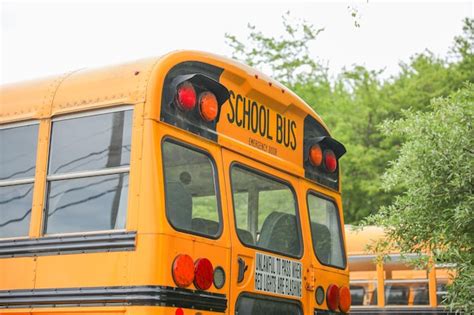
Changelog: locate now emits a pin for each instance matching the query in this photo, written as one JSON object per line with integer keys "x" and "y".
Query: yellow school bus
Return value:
{"x": 391, "y": 286}
{"x": 185, "y": 184}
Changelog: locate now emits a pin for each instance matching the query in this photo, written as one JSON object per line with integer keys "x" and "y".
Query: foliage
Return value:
{"x": 434, "y": 171}
{"x": 287, "y": 56}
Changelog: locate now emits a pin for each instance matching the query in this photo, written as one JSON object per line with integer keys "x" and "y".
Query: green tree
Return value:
{"x": 287, "y": 57}
{"x": 434, "y": 172}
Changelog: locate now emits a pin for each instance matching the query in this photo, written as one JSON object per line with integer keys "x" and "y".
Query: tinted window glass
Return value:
{"x": 396, "y": 295}
{"x": 191, "y": 199}
{"x": 257, "y": 306}
{"x": 421, "y": 296}
{"x": 18, "y": 152}
{"x": 91, "y": 143}
{"x": 326, "y": 231}
{"x": 15, "y": 210}
{"x": 265, "y": 211}
{"x": 87, "y": 204}
{"x": 357, "y": 295}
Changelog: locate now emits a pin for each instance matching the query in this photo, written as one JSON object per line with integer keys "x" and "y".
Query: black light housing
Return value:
{"x": 204, "y": 78}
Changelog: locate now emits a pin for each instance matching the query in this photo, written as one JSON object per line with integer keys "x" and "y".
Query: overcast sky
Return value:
{"x": 42, "y": 38}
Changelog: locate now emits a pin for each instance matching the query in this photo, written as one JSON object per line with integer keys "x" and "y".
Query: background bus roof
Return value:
{"x": 357, "y": 239}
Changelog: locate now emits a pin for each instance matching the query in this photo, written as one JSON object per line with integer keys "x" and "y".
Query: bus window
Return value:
{"x": 396, "y": 294}
{"x": 190, "y": 183}
{"x": 265, "y": 212}
{"x": 326, "y": 231}
{"x": 256, "y": 305}
{"x": 88, "y": 173}
{"x": 421, "y": 295}
{"x": 357, "y": 294}
{"x": 17, "y": 171}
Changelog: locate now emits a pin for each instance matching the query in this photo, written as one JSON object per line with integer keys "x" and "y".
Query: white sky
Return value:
{"x": 41, "y": 38}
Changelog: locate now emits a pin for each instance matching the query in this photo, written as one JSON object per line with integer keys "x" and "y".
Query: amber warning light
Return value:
{"x": 327, "y": 158}
{"x": 186, "y": 97}
{"x": 198, "y": 98}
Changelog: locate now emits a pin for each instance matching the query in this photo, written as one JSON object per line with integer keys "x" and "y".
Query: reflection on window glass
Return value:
{"x": 18, "y": 152}
{"x": 94, "y": 202}
{"x": 265, "y": 211}
{"x": 87, "y": 204}
{"x": 15, "y": 210}
{"x": 17, "y": 162}
{"x": 326, "y": 231}
{"x": 91, "y": 143}
{"x": 191, "y": 200}
{"x": 258, "y": 306}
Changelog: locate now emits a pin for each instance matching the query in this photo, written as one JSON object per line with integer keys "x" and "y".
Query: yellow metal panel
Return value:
{"x": 89, "y": 89}
{"x": 17, "y": 273}
{"x": 81, "y": 270}
{"x": 28, "y": 100}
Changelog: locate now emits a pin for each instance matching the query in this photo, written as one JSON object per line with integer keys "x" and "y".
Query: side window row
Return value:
{"x": 89, "y": 159}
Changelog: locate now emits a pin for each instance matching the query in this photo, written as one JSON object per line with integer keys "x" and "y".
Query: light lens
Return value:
{"x": 186, "y": 96}
{"x": 179, "y": 311}
{"x": 344, "y": 299}
{"x": 208, "y": 106}
{"x": 316, "y": 155}
{"x": 183, "y": 270}
{"x": 219, "y": 277}
{"x": 320, "y": 295}
{"x": 332, "y": 297}
{"x": 330, "y": 160}
{"x": 203, "y": 274}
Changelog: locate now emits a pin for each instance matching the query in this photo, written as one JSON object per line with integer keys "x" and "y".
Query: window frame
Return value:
{"x": 343, "y": 247}
{"x": 198, "y": 149}
{"x": 281, "y": 181}
{"x": 26, "y": 180}
{"x": 84, "y": 174}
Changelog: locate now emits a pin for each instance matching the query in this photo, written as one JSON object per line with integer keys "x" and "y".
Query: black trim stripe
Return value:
{"x": 114, "y": 296}
{"x": 60, "y": 245}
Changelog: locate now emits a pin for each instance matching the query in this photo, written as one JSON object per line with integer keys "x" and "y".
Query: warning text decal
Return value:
{"x": 277, "y": 275}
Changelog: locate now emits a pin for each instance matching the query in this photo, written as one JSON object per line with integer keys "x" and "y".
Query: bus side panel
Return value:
{"x": 82, "y": 270}
{"x": 17, "y": 273}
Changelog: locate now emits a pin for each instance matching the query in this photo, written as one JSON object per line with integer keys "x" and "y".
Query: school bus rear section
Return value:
{"x": 185, "y": 184}
{"x": 392, "y": 286}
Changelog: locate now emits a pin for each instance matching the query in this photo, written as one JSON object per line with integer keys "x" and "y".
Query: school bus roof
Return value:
{"x": 128, "y": 83}
{"x": 357, "y": 239}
